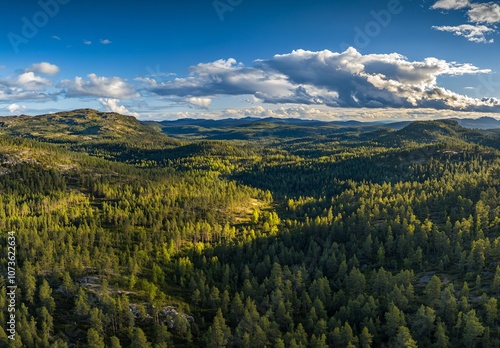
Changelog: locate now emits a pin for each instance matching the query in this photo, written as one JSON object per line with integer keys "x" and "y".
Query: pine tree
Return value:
{"x": 45, "y": 295}
{"x": 442, "y": 340}
{"x": 139, "y": 339}
{"x": 218, "y": 334}
{"x": 473, "y": 328}
{"x": 94, "y": 339}
{"x": 365, "y": 338}
{"x": 433, "y": 291}
{"x": 394, "y": 320}
{"x": 403, "y": 339}
{"x": 423, "y": 324}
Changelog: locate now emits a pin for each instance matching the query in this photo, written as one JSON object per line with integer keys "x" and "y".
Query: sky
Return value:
{"x": 328, "y": 60}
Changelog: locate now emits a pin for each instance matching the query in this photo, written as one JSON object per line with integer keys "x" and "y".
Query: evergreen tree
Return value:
{"x": 218, "y": 334}
{"x": 94, "y": 339}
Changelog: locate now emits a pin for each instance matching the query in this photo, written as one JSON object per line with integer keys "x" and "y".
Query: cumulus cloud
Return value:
{"x": 15, "y": 108}
{"x": 450, "y": 4}
{"x": 482, "y": 16}
{"x": 44, "y": 68}
{"x": 223, "y": 77}
{"x": 347, "y": 79}
{"x": 28, "y": 85}
{"x": 112, "y": 105}
{"x": 473, "y": 33}
{"x": 105, "y": 41}
{"x": 25, "y": 86}
{"x": 87, "y": 42}
{"x": 484, "y": 13}
{"x": 198, "y": 102}
{"x": 30, "y": 81}
{"x": 97, "y": 86}
{"x": 304, "y": 81}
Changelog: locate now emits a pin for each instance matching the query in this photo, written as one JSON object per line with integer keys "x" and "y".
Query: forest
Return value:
{"x": 254, "y": 234}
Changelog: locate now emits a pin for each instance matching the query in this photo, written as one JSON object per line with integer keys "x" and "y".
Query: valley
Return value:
{"x": 251, "y": 232}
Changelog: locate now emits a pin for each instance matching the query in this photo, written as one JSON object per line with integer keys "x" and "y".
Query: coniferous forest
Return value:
{"x": 256, "y": 233}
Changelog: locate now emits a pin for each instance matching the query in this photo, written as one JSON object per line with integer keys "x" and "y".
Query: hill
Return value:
{"x": 442, "y": 131}
{"x": 84, "y": 126}
{"x": 281, "y": 233}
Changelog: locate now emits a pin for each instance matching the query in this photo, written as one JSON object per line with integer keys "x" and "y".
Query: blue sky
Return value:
{"x": 390, "y": 59}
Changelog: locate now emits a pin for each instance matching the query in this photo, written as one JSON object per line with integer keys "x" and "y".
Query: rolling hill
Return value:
{"x": 277, "y": 230}
{"x": 84, "y": 126}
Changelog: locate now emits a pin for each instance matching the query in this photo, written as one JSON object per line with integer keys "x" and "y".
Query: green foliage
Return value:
{"x": 353, "y": 238}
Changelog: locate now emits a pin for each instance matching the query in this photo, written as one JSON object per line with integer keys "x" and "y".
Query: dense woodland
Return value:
{"x": 356, "y": 238}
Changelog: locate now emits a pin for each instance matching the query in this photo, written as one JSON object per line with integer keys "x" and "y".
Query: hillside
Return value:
{"x": 84, "y": 126}
{"x": 443, "y": 131}
{"x": 294, "y": 234}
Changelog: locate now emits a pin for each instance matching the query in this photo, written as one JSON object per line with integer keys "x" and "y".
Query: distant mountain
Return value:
{"x": 266, "y": 129}
{"x": 228, "y": 128}
{"x": 87, "y": 127}
{"x": 260, "y": 128}
{"x": 478, "y": 123}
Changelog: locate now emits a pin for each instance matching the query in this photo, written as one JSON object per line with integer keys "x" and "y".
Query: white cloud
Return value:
{"x": 483, "y": 17}
{"x": 15, "y": 108}
{"x": 450, "y": 4}
{"x": 105, "y": 41}
{"x": 347, "y": 79}
{"x": 484, "y": 13}
{"x": 30, "y": 81}
{"x": 27, "y": 85}
{"x": 199, "y": 102}
{"x": 112, "y": 105}
{"x": 87, "y": 42}
{"x": 44, "y": 68}
{"x": 473, "y": 33}
{"x": 301, "y": 80}
{"x": 55, "y": 37}
{"x": 225, "y": 77}
{"x": 110, "y": 87}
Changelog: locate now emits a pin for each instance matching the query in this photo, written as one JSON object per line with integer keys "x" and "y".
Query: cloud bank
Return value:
{"x": 302, "y": 82}
{"x": 347, "y": 79}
